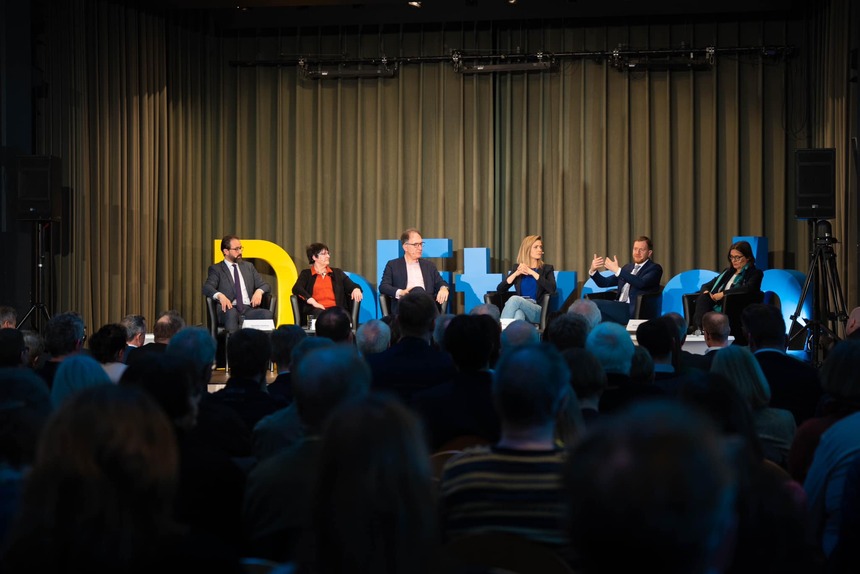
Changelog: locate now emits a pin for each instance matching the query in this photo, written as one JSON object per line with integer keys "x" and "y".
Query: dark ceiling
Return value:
{"x": 299, "y": 13}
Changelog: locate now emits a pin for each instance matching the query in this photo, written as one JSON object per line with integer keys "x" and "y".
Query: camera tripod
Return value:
{"x": 828, "y": 306}
{"x": 38, "y": 305}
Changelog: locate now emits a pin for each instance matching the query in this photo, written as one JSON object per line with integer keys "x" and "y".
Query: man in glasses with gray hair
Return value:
{"x": 409, "y": 272}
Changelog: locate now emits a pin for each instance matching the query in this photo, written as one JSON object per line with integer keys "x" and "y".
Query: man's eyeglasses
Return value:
{"x": 737, "y": 257}
{"x": 236, "y": 248}
{"x": 419, "y": 244}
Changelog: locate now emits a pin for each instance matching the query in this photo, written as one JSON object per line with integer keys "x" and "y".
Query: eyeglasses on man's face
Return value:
{"x": 417, "y": 244}
{"x": 236, "y": 248}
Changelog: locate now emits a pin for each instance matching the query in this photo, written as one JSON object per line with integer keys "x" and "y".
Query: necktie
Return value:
{"x": 237, "y": 287}
{"x": 625, "y": 292}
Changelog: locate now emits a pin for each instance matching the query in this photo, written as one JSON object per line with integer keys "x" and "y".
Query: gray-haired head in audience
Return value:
{"x": 372, "y": 337}
{"x": 611, "y": 344}
{"x": 588, "y": 309}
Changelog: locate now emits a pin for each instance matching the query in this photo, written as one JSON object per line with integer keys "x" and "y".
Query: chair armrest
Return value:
{"x": 354, "y": 313}
{"x": 297, "y": 310}
{"x": 544, "y": 310}
{"x": 648, "y": 305}
{"x": 384, "y": 305}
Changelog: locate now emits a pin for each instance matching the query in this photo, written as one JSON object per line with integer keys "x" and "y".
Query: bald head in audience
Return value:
{"x": 715, "y": 328}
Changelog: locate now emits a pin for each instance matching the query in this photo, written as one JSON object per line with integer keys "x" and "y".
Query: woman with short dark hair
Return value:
{"x": 321, "y": 287}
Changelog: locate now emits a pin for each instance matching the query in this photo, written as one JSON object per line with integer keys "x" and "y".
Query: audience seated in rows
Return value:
{"x": 610, "y": 343}
{"x": 588, "y": 380}
{"x": 840, "y": 381}
{"x": 651, "y": 486}
{"x": 245, "y": 392}
{"x": 13, "y": 349}
{"x": 279, "y": 494}
{"x": 412, "y": 364}
{"x": 210, "y": 484}
{"x": 218, "y": 425}
{"x": 775, "y": 427}
{"x": 24, "y": 409}
{"x": 824, "y": 448}
{"x": 166, "y": 326}
{"x": 283, "y": 428}
{"x": 74, "y": 374}
{"x": 64, "y": 337}
{"x": 373, "y": 505}
{"x": 99, "y": 497}
{"x": 107, "y": 346}
{"x": 641, "y": 367}
{"x": 514, "y": 486}
{"x": 470, "y": 393}
{"x": 463, "y": 405}
{"x": 794, "y": 385}
{"x": 284, "y": 340}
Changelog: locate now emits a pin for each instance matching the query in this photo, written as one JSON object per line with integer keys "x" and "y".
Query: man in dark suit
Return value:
{"x": 794, "y": 385}
{"x": 641, "y": 276}
{"x": 237, "y": 286}
{"x": 412, "y": 364}
{"x": 409, "y": 272}
{"x": 135, "y": 327}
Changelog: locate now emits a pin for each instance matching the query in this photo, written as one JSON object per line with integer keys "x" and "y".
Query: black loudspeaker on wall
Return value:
{"x": 816, "y": 184}
{"x": 39, "y": 188}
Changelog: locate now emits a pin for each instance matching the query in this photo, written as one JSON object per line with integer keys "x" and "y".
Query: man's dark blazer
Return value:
{"x": 794, "y": 385}
{"x": 341, "y": 284}
{"x": 220, "y": 280}
{"x": 545, "y": 284}
{"x": 409, "y": 366}
{"x": 646, "y": 281}
{"x": 251, "y": 401}
{"x": 394, "y": 277}
{"x": 146, "y": 352}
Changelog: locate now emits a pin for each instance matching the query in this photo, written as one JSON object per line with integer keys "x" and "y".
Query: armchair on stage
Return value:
{"x": 499, "y": 300}
{"x": 385, "y": 305}
{"x": 219, "y": 332}
{"x": 733, "y": 306}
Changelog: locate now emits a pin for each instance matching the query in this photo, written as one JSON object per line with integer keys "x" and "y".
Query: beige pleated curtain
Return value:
{"x": 167, "y": 146}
